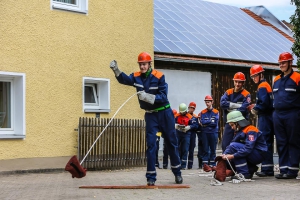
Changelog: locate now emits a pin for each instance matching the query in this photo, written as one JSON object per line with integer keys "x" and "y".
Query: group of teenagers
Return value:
{"x": 277, "y": 109}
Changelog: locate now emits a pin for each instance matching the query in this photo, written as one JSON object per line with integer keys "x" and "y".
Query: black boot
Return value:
{"x": 200, "y": 163}
{"x": 264, "y": 174}
{"x": 178, "y": 179}
{"x": 150, "y": 182}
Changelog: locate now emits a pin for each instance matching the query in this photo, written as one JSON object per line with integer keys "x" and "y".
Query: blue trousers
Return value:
{"x": 184, "y": 143}
{"x": 209, "y": 141}
{"x": 227, "y": 136}
{"x": 244, "y": 165}
{"x": 287, "y": 132}
{"x": 191, "y": 149}
{"x": 200, "y": 148}
{"x": 165, "y": 156}
{"x": 265, "y": 125}
{"x": 162, "y": 121}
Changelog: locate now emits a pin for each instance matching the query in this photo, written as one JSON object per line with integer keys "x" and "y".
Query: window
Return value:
{"x": 96, "y": 95}
{"x": 71, "y": 5}
{"x": 12, "y": 105}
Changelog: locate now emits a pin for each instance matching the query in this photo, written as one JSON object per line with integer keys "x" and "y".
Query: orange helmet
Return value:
{"x": 256, "y": 69}
{"x": 285, "y": 56}
{"x": 239, "y": 76}
{"x": 144, "y": 57}
{"x": 192, "y": 105}
{"x": 174, "y": 111}
{"x": 208, "y": 98}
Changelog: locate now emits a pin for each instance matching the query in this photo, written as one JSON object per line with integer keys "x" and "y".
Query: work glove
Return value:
{"x": 149, "y": 98}
{"x": 250, "y": 107}
{"x": 179, "y": 127}
{"x": 114, "y": 66}
{"x": 254, "y": 112}
{"x": 186, "y": 129}
{"x": 234, "y": 105}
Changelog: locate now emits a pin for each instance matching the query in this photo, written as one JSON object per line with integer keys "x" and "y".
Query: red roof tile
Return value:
{"x": 265, "y": 23}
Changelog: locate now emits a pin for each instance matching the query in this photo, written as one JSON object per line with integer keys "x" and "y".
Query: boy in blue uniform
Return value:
{"x": 248, "y": 147}
{"x": 209, "y": 121}
{"x": 286, "y": 117}
{"x": 153, "y": 91}
{"x": 192, "y": 107}
{"x": 236, "y": 98}
{"x": 184, "y": 124}
{"x": 264, "y": 110}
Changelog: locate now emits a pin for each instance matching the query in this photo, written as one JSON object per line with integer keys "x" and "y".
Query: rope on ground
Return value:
{"x": 240, "y": 177}
{"x": 215, "y": 182}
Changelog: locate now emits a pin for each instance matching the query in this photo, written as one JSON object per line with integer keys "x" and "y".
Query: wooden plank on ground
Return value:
{"x": 173, "y": 186}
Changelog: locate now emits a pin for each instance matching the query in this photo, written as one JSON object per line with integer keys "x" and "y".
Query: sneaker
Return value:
{"x": 178, "y": 179}
{"x": 246, "y": 176}
{"x": 150, "y": 182}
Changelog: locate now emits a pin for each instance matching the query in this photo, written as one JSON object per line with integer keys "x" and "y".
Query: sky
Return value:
{"x": 282, "y": 9}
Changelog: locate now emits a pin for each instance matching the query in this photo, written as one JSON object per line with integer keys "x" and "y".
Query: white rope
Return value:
{"x": 107, "y": 126}
{"x": 215, "y": 182}
{"x": 240, "y": 177}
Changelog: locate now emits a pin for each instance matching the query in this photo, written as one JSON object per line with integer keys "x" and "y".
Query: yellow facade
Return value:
{"x": 56, "y": 49}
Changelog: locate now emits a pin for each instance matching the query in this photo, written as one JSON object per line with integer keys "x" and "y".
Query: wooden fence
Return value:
{"x": 122, "y": 144}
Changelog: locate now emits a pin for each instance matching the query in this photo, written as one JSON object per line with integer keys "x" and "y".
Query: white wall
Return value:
{"x": 187, "y": 86}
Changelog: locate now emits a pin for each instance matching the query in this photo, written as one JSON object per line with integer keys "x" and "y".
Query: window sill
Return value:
{"x": 70, "y": 9}
{"x": 96, "y": 110}
{"x": 11, "y": 136}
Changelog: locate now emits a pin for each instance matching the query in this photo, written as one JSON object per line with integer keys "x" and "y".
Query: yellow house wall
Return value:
{"x": 56, "y": 49}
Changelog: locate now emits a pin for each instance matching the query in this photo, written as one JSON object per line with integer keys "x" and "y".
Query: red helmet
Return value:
{"x": 256, "y": 69}
{"x": 174, "y": 111}
{"x": 208, "y": 98}
{"x": 239, "y": 76}
{"x": 192, "y": 105}
{"x": 285, "y": 56}
{"x": 144, "y": 57}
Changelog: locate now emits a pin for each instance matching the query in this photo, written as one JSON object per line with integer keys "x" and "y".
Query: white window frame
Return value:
{"x": 18, "y": 125}
{"x": 102, "y": 90}
{"x": 81, "y": 6}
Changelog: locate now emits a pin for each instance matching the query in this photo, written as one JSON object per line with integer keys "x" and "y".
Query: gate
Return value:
{"x": 121, "y": 145}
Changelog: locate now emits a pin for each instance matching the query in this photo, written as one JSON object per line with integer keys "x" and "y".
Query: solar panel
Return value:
{"x": 196, "y": 27}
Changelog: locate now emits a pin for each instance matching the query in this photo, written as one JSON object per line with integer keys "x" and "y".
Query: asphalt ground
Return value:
{"x": 56, "y": 184}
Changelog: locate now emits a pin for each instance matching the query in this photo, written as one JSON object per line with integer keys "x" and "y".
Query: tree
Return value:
{"x": 295, "y": 21}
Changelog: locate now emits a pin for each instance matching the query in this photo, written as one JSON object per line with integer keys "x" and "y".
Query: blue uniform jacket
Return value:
{"x": 264, "y": 98}
{"x": 192, "y": 122}
{"x": 242, "y": 97}
{"x": 286, "y": 90}
{"x": 153, "y": 84}
{"x": 252, "y": 138}
{"x": 209, "y": 120}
